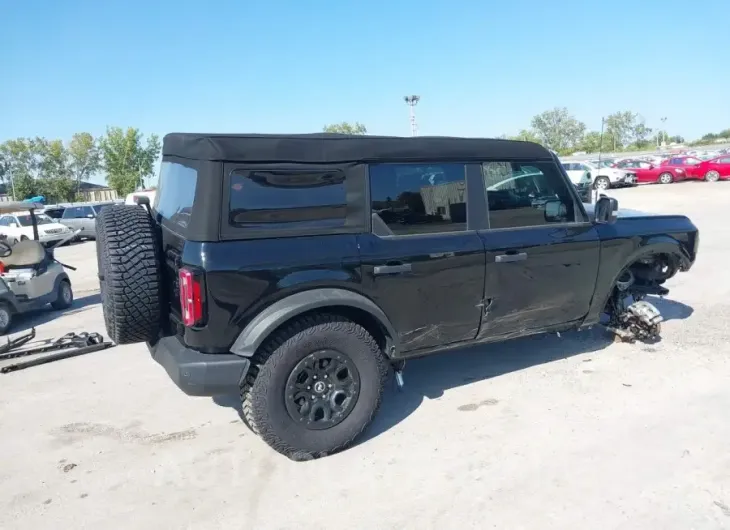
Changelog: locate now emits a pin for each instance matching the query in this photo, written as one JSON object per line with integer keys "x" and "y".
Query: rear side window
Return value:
{"x": 176, "y": 192}
{"x": 75, "y": 212}
{"x": 288, "y": 199}
{"x": 409, "y": 199}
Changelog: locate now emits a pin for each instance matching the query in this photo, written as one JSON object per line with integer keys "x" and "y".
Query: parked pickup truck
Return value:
{"x": 301, "y": 270}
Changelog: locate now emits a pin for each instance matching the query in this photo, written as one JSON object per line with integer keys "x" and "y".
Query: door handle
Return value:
{"x": 400, "y": 268}
{"x": 509, "y": 258}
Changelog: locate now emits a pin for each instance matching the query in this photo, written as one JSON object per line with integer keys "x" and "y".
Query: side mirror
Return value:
{"x": 142, "y": 200}
{"x": 90, "y": 216}
{"x": 555, "y": 211}
{"x": 14, "y": 225}
{"x": 605, "y": 209}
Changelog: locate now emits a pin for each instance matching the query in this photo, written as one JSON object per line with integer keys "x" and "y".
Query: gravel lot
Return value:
{"x": 548, "y": 432}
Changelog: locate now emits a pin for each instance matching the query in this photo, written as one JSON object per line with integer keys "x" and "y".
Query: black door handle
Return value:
{"x": 509, "y": 258}
{"x": 400, "y": 268}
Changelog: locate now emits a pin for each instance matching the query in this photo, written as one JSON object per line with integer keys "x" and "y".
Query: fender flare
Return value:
{"x": 656, "y": 245}
{"x": 263, "y": 324}
{"x": 659, "y": 245}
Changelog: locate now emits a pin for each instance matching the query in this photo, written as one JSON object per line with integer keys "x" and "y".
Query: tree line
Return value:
{"x": 38, "y": 166}
{"x": 55, "y": 169}
{"x": 562, "y": 132}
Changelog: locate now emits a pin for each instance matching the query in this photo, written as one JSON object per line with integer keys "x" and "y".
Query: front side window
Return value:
{"x": 421, "y": 198}
{"x": 526, "y": 195}
{"x": 288, "y": 199}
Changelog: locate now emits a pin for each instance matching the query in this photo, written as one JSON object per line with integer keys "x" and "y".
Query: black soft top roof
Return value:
{"x": 330, "y": 147}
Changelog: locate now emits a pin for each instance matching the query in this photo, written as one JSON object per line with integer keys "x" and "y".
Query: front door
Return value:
{"x": 542, "y": 254}
{"x": 421, "y": 263}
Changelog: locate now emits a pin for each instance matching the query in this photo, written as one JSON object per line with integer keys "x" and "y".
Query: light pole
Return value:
{"x": 412, "y": 101}
{"x": 663, "y": 132}
{"x": 594, "y": 193}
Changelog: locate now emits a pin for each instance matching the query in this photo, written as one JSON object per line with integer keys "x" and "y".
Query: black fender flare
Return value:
{"x": 659, "y": 245}
{"x": 263, "y": 324}
{"x": 655, "y": 245}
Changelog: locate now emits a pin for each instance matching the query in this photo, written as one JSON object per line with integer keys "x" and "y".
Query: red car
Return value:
{"x": 713, "y": 170}
{"x": 647, "y": 172}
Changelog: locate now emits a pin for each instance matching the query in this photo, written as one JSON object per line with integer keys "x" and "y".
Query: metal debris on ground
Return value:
{"x": 69, "y": 345}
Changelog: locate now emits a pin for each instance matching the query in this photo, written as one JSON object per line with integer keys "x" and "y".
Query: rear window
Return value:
{"x": 271, "y": 199}
{"x": 176, "y": 192}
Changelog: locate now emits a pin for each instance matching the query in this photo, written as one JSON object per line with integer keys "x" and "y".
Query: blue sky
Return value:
{"x": 482, "y": 68}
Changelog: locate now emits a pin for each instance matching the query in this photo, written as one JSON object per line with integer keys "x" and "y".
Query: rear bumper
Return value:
{"x": 199, "y": 374}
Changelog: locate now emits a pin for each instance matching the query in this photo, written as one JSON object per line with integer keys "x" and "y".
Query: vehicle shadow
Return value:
{"x": 25, "y": 321}
{"x": 430, "y": 377}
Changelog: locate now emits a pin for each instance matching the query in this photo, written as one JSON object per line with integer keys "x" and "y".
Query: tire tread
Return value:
{"x": 274, "y": 351}
{"x": 128, "y": 254}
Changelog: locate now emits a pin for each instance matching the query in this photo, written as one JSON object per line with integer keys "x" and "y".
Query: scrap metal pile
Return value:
{"x": 69, "y": 345}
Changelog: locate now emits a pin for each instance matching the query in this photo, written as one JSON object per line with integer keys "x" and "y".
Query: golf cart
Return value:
{"x": 30, "y": 276}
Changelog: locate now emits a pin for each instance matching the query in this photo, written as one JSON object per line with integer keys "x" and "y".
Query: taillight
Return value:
{"x": 191, "y": 301}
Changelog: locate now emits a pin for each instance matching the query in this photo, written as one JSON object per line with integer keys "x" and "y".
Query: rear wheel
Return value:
{"x": 666, "y": 178}
{"x": 64, "y": 296}
{"x": 712, "y": 176}
{"x": 6, "y": 317}
{"x": 129, "y": 274}
{"x": 602, "y": 183}
{"x": 314, "y": 387}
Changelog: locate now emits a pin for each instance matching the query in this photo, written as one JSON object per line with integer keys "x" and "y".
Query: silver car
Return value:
{"x": 83, "y": 217}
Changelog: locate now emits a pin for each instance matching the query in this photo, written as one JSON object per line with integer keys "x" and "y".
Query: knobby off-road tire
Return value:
{"x": 129, "y": 274}
{"x": 263, "y": 393}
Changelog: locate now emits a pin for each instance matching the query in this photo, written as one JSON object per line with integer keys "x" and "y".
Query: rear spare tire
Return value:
{"x": 128, "y": 256}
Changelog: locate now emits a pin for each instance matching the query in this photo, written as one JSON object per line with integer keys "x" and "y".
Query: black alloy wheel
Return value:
{"x": 322, "y": 389}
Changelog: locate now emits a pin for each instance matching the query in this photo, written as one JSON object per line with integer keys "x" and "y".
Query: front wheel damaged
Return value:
{"x": 630, "y": 316}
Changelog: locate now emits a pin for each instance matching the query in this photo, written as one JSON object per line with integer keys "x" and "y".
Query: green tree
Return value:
{"x": 128, "y": 162}
{"x": 526, "y": 135}
{"x": 345, "y": 128}
{"x": 591, "y": 142}
{"x": 557, "y": 129}
{"x": 54, "y": 180}
{"x": 85, "y": 159}
{"x": 641, "y": 135}
{"x": 20, "y": 166}
{"x": 620, "y": 125}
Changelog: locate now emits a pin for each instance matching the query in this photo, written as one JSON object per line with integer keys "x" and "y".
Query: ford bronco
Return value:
{"x": 301, "y": 270}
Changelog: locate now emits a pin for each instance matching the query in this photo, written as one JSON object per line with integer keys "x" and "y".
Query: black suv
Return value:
{"x": 299, "y": 270}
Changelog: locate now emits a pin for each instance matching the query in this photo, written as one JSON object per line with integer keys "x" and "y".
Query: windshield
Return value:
{"x": 42, "y": 219}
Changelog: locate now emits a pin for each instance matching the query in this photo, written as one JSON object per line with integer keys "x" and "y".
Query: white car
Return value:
{"x": 602, "y": 178}
{"x": 18, "y": 227}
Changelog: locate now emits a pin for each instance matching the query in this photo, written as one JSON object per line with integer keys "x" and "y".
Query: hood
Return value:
{"x": 622, "y": 212}
{"x": 52, "y": 227}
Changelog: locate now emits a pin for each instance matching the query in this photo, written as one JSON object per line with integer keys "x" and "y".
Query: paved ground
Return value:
{"x": 543, "y": 433}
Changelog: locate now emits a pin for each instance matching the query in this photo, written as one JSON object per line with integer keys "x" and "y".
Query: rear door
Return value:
{"x": 87, "y": 221}
{"x": 423, "y": 262}
{"x": 72, "y": 217}
{"x": 542, "y": 254}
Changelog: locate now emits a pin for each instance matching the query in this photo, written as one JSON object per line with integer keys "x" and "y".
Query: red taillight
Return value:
{"x": 191, "y": 302}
